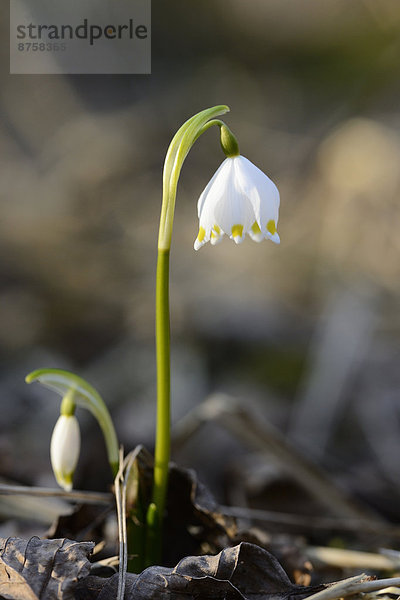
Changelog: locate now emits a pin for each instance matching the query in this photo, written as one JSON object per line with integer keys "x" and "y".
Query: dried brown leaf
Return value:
{"x": 194, "y": 521}
{"x": 244, "y": 572}
{"x": 42, "y": 569}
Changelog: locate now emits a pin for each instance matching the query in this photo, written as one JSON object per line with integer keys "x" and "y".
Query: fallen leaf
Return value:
{"x": 195, "y": 523}
{"x": 244, "y": 572}
{"x": 42, "y": 569}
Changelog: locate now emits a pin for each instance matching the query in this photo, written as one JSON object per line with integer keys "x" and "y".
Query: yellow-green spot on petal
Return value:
{"x": 213, "y": 235}
{"x": 255, "y": 228}
{"x": 202, "y": 234}
{"x": 64, "y": 480}
{"x": 217, "y": 229}
{"x": 237, "y": 231}
{"x": 271, "y": 227}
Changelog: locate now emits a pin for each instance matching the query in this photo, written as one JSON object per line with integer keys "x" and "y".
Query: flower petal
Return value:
{"x": 201, "y": 239}
{"x": 216, "y": 235}
{"x": 261, "y": 191}
{"x": 211, "y": 195}
{"x": 215, "y": 188}
{"x": 274, "y": 238}
{"x": 234, "y": 210}
{"x": 255, "y": 233}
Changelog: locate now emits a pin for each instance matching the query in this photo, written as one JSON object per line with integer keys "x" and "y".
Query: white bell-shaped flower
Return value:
{"x": 64, "y": 449}
{"x": 239, "y": 199}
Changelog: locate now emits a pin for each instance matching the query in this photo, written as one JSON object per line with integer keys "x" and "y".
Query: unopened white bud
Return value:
{"x": 64, "y": 449}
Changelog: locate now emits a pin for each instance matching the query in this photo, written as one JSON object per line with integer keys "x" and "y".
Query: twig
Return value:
{"x": 339, "y": 589}
{"x": 74, "y": 495}
{"x": 354, "y": 585}
{"x": 121, "y": 482}
{"x": 120, "y": 517}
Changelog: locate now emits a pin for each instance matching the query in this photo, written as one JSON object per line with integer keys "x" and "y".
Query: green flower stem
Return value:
{"x": 176, "y": 154}
{"x": 153, "y": 554}
{"x": 162, "y": 449}
{"x": 153, "y": 547}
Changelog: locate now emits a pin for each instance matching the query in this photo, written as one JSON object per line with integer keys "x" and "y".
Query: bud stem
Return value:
{"x": 229, "y": 143}
{"x": 68, "y": 405}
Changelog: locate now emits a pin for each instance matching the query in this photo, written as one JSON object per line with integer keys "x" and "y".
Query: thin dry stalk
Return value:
{"x": 74, "y": 495}
{"x": 121, "y": 482}
{"x": 354, "y": 585}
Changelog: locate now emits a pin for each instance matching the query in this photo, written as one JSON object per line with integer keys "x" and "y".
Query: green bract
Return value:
{"x": 178, "y": 149}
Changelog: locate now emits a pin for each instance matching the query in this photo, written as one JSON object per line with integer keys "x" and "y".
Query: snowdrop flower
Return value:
{"x": 64, "y": 449}
{"x": 239, "y": 199}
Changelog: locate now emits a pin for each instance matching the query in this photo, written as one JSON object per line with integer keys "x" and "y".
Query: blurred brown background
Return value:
{"x": 306, "y": 333}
